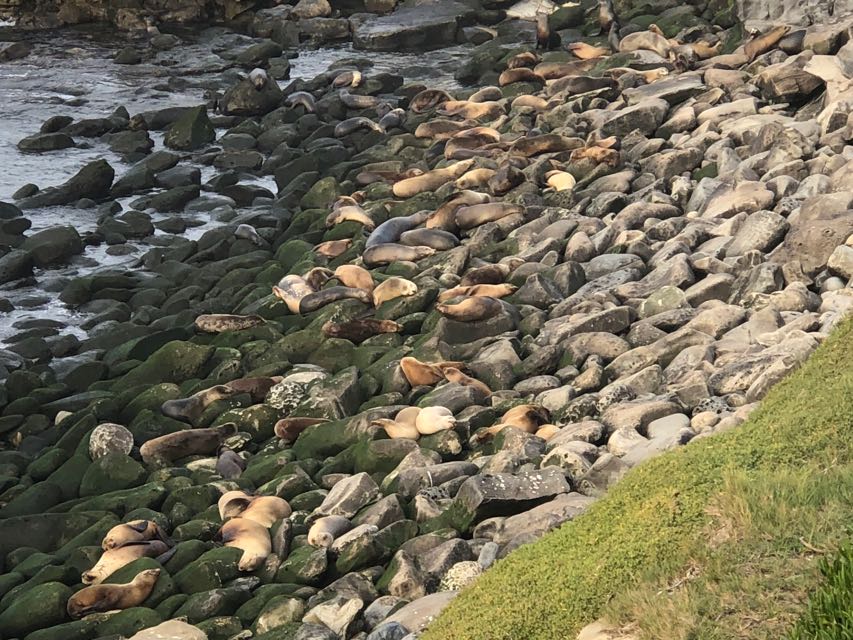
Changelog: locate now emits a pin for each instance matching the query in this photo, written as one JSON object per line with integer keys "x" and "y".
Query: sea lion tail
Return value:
{"x": 227, "y": 430}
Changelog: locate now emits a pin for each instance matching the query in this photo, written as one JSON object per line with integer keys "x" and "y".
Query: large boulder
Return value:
{"x": 427, "y": 26}
{"x": 191, "y": 131}
{"x": 92, "y": 181}
{"x": 40, "y": 607}
{"x": 54, "y": 245}
{"x": 246, "y": 99}
{"x": 15, "y": 265}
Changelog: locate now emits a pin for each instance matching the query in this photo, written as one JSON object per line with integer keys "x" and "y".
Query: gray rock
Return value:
{"x": 348, "y": 496}
{"x": 429, "y": 25}
{"x": 191, "y": 131}
{"x": 109, "y": 438}
{"x": 15, "y": 265}
{"x": 53, "y": 246}
{"x": 245, "y": 99}
{"x": 92, "y": 181}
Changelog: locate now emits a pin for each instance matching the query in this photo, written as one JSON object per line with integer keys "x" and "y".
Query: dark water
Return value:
{"x": 71, "y": 72}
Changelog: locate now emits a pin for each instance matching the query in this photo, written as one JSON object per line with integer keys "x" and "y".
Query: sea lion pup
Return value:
{"x": 189, "y": 410}
{"x": 440, "y": 128}
{"x": 648, "y": 41}
{"x": 351, "y": 125}
{"x": 486, "y": 94}
{"x": 445, "y": 216}
{"x": 133, "y": 531}
{"x": 248, "y": 232}
{"x": 471, "y": 309}
{"x": 404, "y": 424}
{"x": 114, "y": 559}
{"x": 359, "y": 330}
{"x": 534, "y": 102}
{"x": 351, "y": 275}
{"x": 526, "y": 417}
{"x": 317, "y": 277}
{"x": 560, "y": 180}
{"x": 474, "y": 178}
{"x": 219, "y": 322}
{"x": 229, "y": 464}
{"x": 434, "y": 419}
{"x": 472, "y": 110}
{"x": 765, "y": 42}
{"x": 584, "y": 51}
{"x": 394, "y": 119}
{"x": 291, "y": 290}
{"x": 251, "y": 538}
{"x": 349, "y": 212}
{"x": 437, "y": 239}
{"x": 391, "y": 288}
{"x": 393, "y": 228}
{"x": 387, "y": 253}
{"x": 303, "y": 99}
{"x": 431, "y": 180}
{"x": 474, "y": 215}
{"x": 288, "y": 429}
{"x": 524, "y": 59}
{"x": 545, "y": 38}
{"x": 545, "y": 143}
{"x": 324, "y": 530}
{"x": 109, "y": 597}
{"x": 258, "y": 78}
{"x": 419, "y": 373}
{"x": 333, "y": 248}
{"x": 520, "y": 74}
{"x": 319, "y": 299}
{"x": 482, "y": 290}
{"x": 487, "y": 274}
{"x": 188, "y": 442}
{"x": 428, "y": 99}
{"x": 347, "y": 78}
{"x": 606, "y": 15}
{"x": 455, "y": 375}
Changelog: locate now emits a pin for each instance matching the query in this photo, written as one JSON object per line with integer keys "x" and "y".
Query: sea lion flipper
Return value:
{"x": 140, "y": 527}
{"x": 163, "y": 558}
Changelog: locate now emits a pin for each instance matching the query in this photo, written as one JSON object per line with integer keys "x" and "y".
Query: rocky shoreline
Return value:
{"x": 457, "y": 318}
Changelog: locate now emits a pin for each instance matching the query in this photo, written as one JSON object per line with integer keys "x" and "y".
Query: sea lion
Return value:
{"x": 303, "y": 99}
{"x": 317, "y": 277}
{"x": 434, "y": 419}
{"x": 526, "y": 417}
{"x": 232, "y": 503}
{"x": 445, "y": 216}
{"x": 349, "y": 212}
{"x": 190, "y": 409}
{"x": 486, "y": 94}
{"x": 101, "y": 598}
{"x": 556, "y": 70}
{"x": 387, "y": 253}
{"x": 248, "y": 536}
{"x": 472, "y": 110}
{"x": 431, "y": 180}
{"x": 257, "y": 387}
{"x": 487, "y": 290}
{"x": 266, "y": 510}
{"x": 291, "y": 290}
{"x": 440, "y": 128}
{"x": 524, "y": 59}
{"x": 487, "y": 274}
{"x": 584, "y": 51}
{"x": 614, "y": 37}
{"x": 324, "y": 530}
{"x": 472, "y": 309}
{"x": 598, "y": 155}
{"x": 351, "y": 125}
{"x": 646, "y": 40}
{"x": 350, "y": 78}
{"x": 474, "y": 178}
{"x": 319, "y": 299}
{"x": 703, "y": 50}
{"x": 547, "y": 431}
{"x": 545, "y": 38}
{"x": 419, "y": 373}
{"x": 474, "y": 215}
{"x": 404, "y": 424}
{"x": 392, "y": 229}
{"x": 455, "y": 375}
{"x": 359, "y": 330}
{"x": 351, "y": 275}
{"x": 793, "y": 42}
{"x": 765, "y": 42}
{"x": 288, "y": 429}
{"x": 560, "y": 180}
{"x": 428, "y": 99}
{"x": 258, "y": 78}
{"x": 520, "y": 74}
{"x": 534, "y": 102}
{"x": 333, "y": 248}
{"x": 248, "y": 232}
{"x": 360, "y": 101}
{"x": 391, "y": 288}
{"x": 220, "y": 322}
{"x": 437, "y": 239}
{"x": 546, "y": 143}
{"x": 133, "y": 531}
{"x": 648, "y": 76}
{"x": 188, "y": 442}
{"x": 114, "y": 559}
{"x": 506, "y": 178}
{"x": 229, "y": 464}
{"x": 606, "y": 15}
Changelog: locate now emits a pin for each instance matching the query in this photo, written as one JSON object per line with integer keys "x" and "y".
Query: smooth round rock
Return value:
{"x": 109, "y": 438}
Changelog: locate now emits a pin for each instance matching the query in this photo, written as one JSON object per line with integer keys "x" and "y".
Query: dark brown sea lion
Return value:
{"x": 190, "y": 409}
{"x": 392, "y": 229}
{"x": 292, "y": 289}
{"x": 437, "y": 239}
{"x": 303, "y": 99}
{"x": 351, "y": 125}
{"x": 441, "y": 128}
{"x": 101, "y": 598}
{"x": 546, "y": 143}
{"x": 319, "y": 299}
{"x": 428, "y": 99}
{"x": 229, "y": 464}
{"x": 488, "y": 274}
{"x": 471, "y": 309}
{"x": 219, "y": 322}
{"x": 383, "y": 254}
{"x": 474, "y": 215}
{"x": 546, "y": 39}
{"x": 419, "y": 373}
{"x": 505, "y": 179}
{"x": 258, "y": 387}
{"x": 288, "y": 429}
{"x": 524, "y": 59}
{"x": 188, "y": 442}
{"x": 445, "y": 216}
{"x": 357, "y": 331}
{"x": 317, "y": 277}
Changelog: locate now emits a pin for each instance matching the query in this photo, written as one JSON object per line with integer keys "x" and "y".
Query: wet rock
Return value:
{"x": 191, "y": 131}
{"x": 245, "y": 99}
{"x": 39, "y": 607}
{"x": 53, "y": 246}
{"x": 46, "y": 142}
{"x": 422, "y": 27}
{"x": 92, "y": 181}
{"x": 15, "y": 265}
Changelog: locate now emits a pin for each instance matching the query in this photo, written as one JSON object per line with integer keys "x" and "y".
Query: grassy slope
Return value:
{"x": 767, "y": 496}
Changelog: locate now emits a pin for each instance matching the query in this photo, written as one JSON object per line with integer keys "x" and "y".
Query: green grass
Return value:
{"x": 719, "y": 538}
{"x": 830, "y": 612}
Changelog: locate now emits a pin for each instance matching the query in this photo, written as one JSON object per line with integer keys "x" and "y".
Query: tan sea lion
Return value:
{"x": 219, "y": 322}
{"x": 190, "y": 409}
{"x": 387, "y": 253}
{"x": 556, "y": 70}
{"x": 250, "y": 537}
{"x": 472, "y": 146}
{"x": 445, "y": 216}
{"x": 288, "y": 429}
{"x": 232, "y": 503}
{"x": 428, "y": 99}
{"x": 520, "y": 74}
{"x": 474, "y": 215}
{"x": 351, "y": 78}
{"x": 391, "y": 288}
{"x": 404, "y": 424}
{"x": 455, "y": 375}
{"x": 333, "y": 248}
{"x": 765, "y": 42}
{"x": 101, "y": 598}
{"x": 646, "y": 40}
{"x": 359, "y": 330}
{"x": 489, "y": 290}
{"x": 648, "y": 76}
{"x": 474, "y": 178}
{"x": 319, "y": 299}
{"x": 560, "y": 180}
{"x": 434, "y": 419}
{"x": 486, "y": 94}
{"x": 291, "y": 290}
{"x": 547, "y": 431}
{"x": 606, "y": 15}
{"x": 584, "y": 51}
{"x": 440, "y": 128}
{"x": 431, "y": 180}
{"x": 419, "y": 373}
{"x": 317, "y": 277}
{"x": 472, "y": 110}
{"x": 266, "y": 510}
{"x": 534, "y": 102}
{"x": 303, "y": 99}
{"x": 188, "y": 442}
{"x": 545, "y": 143}
{"x": 524, "y": 59}
{"x": 545, "y": 38}
{"x": 114, "y": 559}
{"x": 133, "y": 531}
{"x": 488, "y": 274}
{"x": 526, "y": 417}
{"x": 351, "y": 275}
{"x": 471, "y": 309}
{"x": 354, "y": 213}
{"x": 324, "y": 530}
{"x": 346, "y": 201}
{"x": 703, "y": 50}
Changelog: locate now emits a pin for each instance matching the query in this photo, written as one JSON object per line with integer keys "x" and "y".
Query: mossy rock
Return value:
{"x": 170, "y": 605}
{"x": 73, "y": 434}
{"x": 382, "y": 456}
{"x": 84, "y": 558}
{"x": 128, "y": 622}
{"x": 333, "y": 355}
{"x": 185, "y": 553}
{"x": 305, "y": 565}
{"x": 210, "y": 571}
{"x": 290, "y": 485}
{"x": 221, "y": 627}
{"x": 148, "y": 425}
{"x": 291, "y": 252}
{"x": 36, "y": 498}
{"x": 216, "y": 602}
{"x": 198, "y": 499}
{"x": 163, "y": 588}
{"x": 151, "y": 399}
{"x": 321, "y": 195}
{"x": 258, "y": 420}
{"x": 77, "y": 630}
{"x": 278, "y": 612}
{"x": 175, "y": 361}
{"x": 47, "y": 462}
{"x": 112, "y": 472}
{"x": 260, "y": 596}
{"x": 9, "y": 581}
{"x": 309, "y": 500}
{"x": 40, "y": 607}
{"x": 297, "y": 346}
{"x": 33, "y": 562}
{"x": 149, "y": 496}
{"x": 203, "y": 530}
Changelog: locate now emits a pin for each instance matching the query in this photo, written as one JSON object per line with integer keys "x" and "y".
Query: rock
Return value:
{"x": 15, "y": 265}
{"x": 645, "y": 116}
{"x": 92, "y": 181}
{"x": 171, "y": 629}
{"x": 762, "y": 231}
{"x": 127, "y": 55}
{"x": 191, "y": 131}
{"x": 46, "y": 142}
{"x": 15, "y": 51}
{"x": 53, "y": 246}
{"x": 426, "y": 26}
{"x": 245, "y": 99}
{"x": 112, "y": 472}
{"x": 39, "y": 607}
{"x": 348, "y": 496}
{"x": 841, "y": 262}
{"x": 416, "y": 615}
{"x": 305, "y": 9}
{"x": 110, "y": 438}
